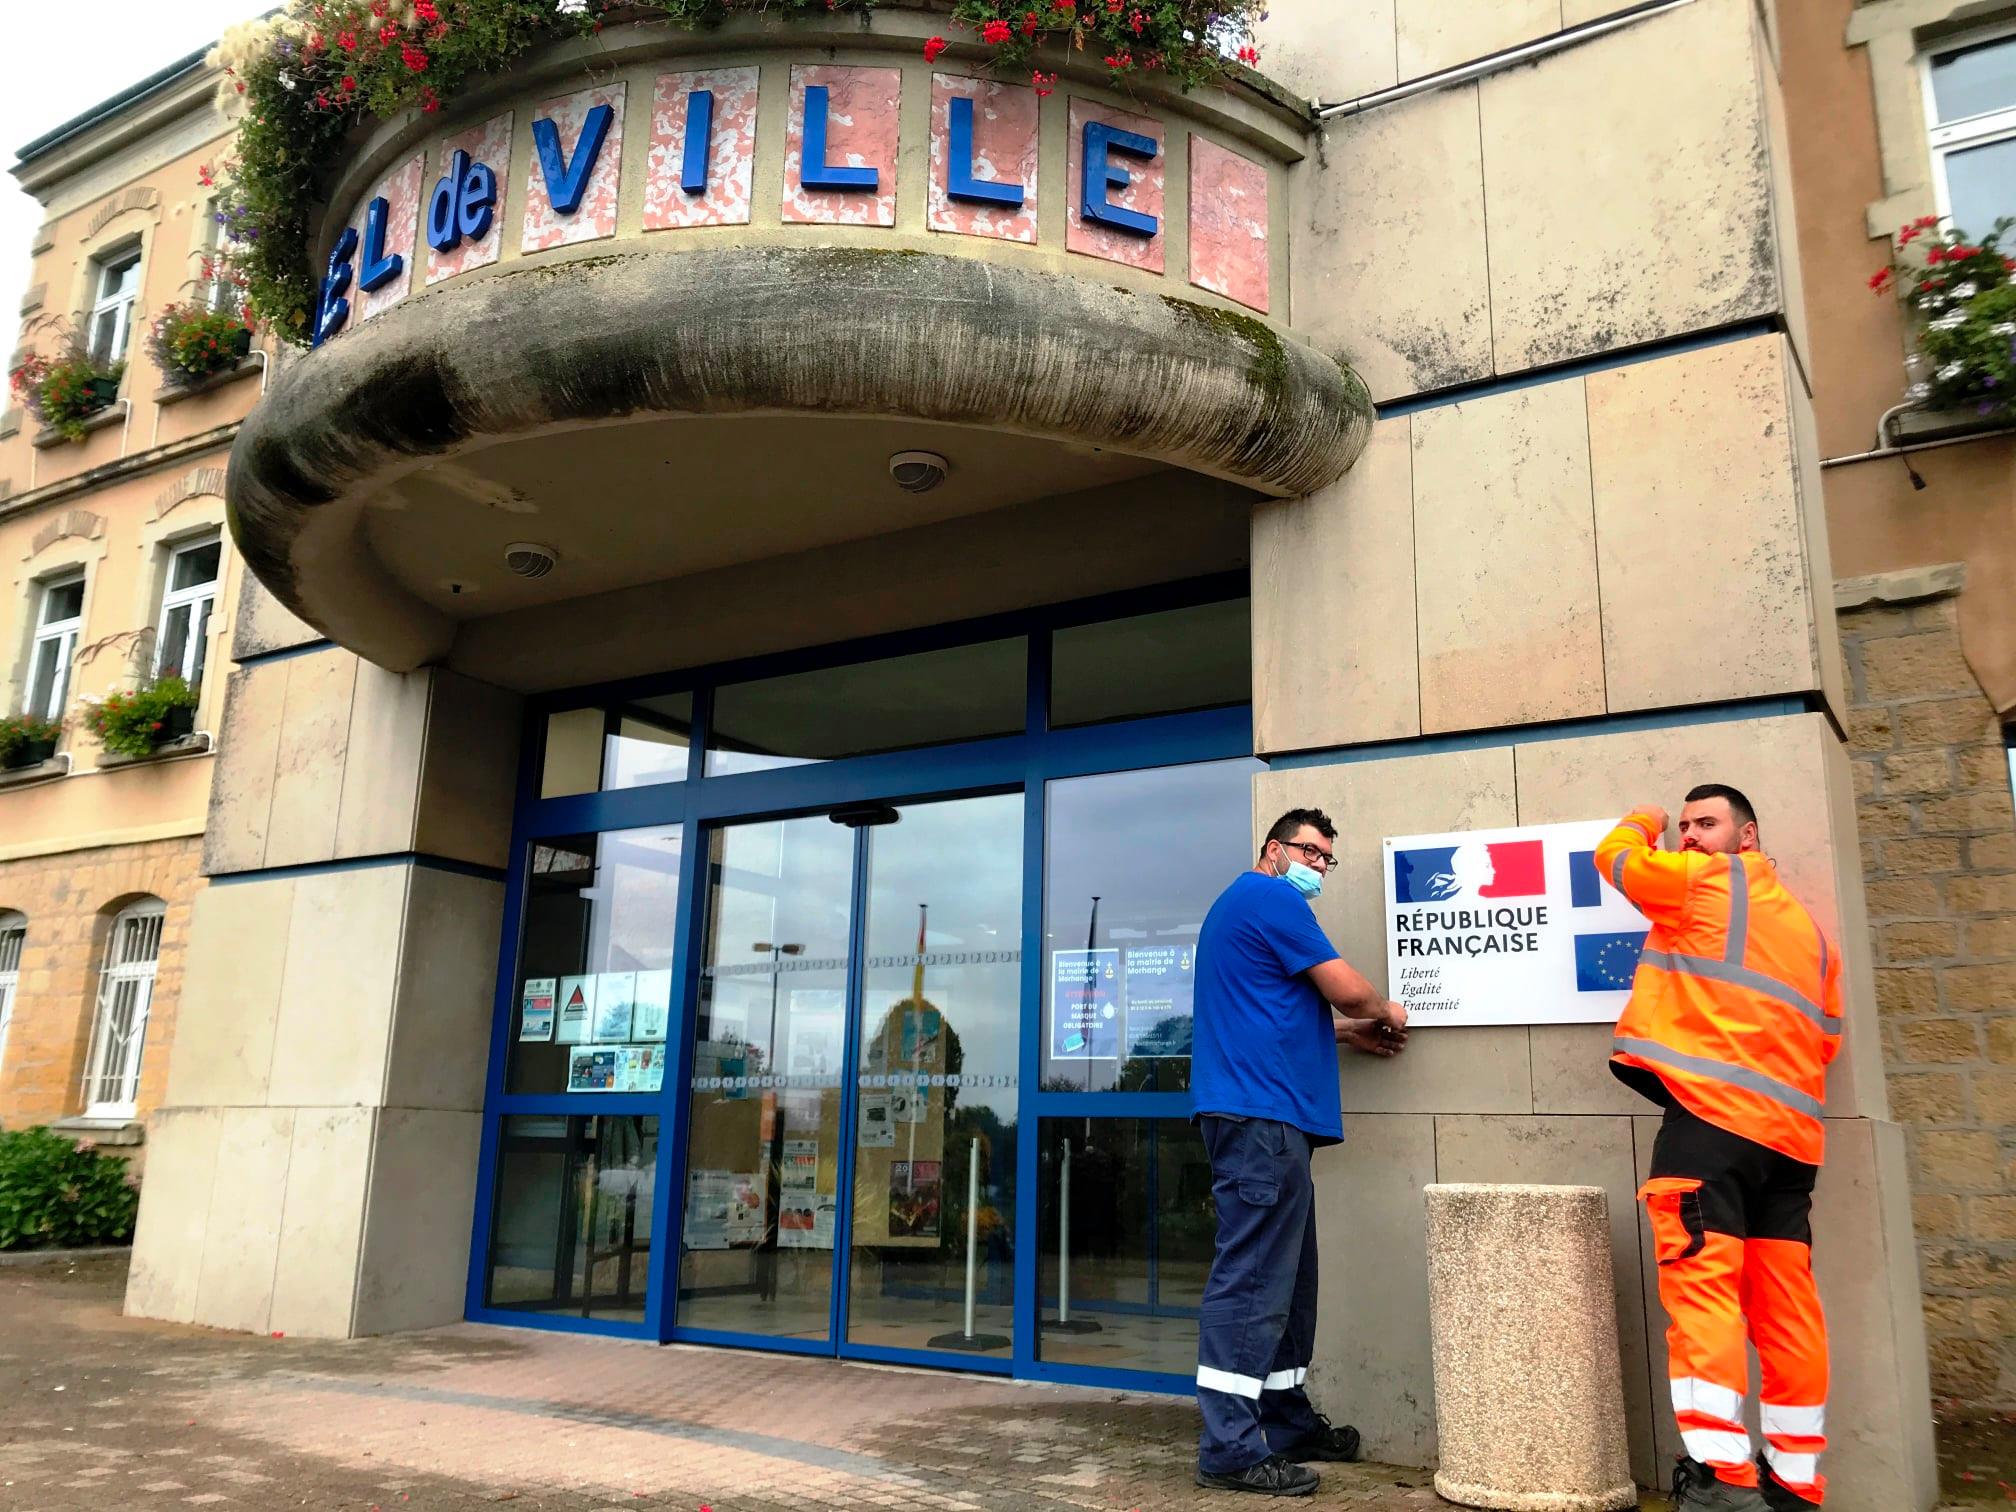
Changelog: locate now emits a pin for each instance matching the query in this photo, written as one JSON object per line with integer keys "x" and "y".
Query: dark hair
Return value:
{"x": 1739, "y": 806}
{"x": 1289, "y": 824}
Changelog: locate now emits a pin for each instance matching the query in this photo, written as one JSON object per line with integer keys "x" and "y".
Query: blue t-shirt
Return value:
{"x": 1264, "y": 1047}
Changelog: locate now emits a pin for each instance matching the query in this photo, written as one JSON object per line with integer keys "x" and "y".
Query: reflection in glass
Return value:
{"x": 594, "y": 992}
{"x": 962, "y": 693}
{"x": 1131, "y": 863}
{"x": 1972, "y": 81}
{"x": 572, "y": 1226}
{"x": 1124, "y": 1260}
{"x": 934, "y": 1159}
{"x": 1981, "y": 183}
{"x": 763, "y": 1157}
{"x": 622, "y": 745}
{"x": 1167, "y": 663}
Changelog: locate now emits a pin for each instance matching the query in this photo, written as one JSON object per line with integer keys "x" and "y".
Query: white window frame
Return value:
{"x": 125, "y": 996}
{"x": 59, "y": 638}
{"x": 192, "y": 601}
{"x": 13, "y": 941}
{"x": 1950, "y": 137}
{"x": 219, "y": 294}
{"x": 120, "y": 306}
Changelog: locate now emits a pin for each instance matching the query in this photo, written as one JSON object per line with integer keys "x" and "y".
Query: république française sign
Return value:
{"x": 464, "y": 202}
{"x": 1509, "y": 926}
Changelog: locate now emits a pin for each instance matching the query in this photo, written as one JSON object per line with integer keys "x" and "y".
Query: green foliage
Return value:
{"x": 18, "y": 731}
{"x": 1961, "y": 294}
{"x": 191, "y": 341}
{"x": 132, "y": 724}
{"x": 59, "y": 1195}
{"x": 1190, "y": 41}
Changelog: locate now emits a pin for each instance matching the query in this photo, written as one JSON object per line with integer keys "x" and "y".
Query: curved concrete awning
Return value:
{"x": 752, "y": 330}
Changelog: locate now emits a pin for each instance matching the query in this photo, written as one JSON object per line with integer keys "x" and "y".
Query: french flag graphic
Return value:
{"x": 1434, "y": 874}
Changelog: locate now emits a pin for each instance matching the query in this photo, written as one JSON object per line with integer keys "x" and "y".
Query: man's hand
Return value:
{"x": 1657, "y": 815}
{"x": 1370, "y": 1037}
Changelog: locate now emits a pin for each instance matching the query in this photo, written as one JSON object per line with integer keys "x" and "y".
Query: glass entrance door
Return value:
{"x": 850, "y": 1170}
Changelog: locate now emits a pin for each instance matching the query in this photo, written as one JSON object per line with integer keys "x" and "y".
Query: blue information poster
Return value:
{"x": 1160, "y": 998}
{"x": 1084, "y": 1005}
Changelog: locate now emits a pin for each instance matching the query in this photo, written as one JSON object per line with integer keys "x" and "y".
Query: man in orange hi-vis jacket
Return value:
{"x": 1734, "y": 1015}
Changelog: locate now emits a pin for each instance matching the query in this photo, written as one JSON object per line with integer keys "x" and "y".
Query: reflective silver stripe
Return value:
{"x": 1617, "y": 870}
{"x": 1739, "y": 910}
{"x": 1735, "y": 1076}
{"x": 1741, "y": 976}
{"x": 1229, "y": 1382}
{"x": 1823, "y": 955}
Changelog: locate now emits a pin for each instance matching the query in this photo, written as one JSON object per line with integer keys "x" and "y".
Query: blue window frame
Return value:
{"x": 1025, "y": 761}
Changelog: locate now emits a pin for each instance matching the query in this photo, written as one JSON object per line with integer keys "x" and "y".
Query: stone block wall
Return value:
{"x": 1938, "y": 824}
{"x": 69, "y": 901}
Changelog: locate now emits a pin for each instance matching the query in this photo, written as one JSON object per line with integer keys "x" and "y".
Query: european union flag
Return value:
{"x": 1607, "y": 962}
{"x": 1585, "y": 890}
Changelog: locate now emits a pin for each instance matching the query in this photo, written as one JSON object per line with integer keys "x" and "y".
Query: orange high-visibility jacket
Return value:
{"x": 1736, "y": 1007}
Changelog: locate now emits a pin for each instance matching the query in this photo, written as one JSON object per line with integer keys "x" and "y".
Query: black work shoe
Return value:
{"x": 1326, "y": 1441}
{"x": 1778, "y": 1496}
{"x": 1696, "y": 1488}
{"x": 1273, "y": 1476}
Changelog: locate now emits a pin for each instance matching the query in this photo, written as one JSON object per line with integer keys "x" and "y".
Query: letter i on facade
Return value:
{"x": 699, "y": 141}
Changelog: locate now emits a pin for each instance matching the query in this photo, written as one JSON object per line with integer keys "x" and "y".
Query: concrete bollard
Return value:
{"x": 1529, "y": 1399}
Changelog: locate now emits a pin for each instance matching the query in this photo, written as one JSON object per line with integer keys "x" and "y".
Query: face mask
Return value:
{"x": 1304, "y": 879}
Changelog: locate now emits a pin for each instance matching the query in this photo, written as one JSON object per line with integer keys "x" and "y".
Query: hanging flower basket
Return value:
{"x": 1961, "y": 293}
{"x": 300, "y": 82}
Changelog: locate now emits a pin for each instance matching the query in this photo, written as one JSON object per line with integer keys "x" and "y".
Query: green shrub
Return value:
{"x": 59, "y": 1195}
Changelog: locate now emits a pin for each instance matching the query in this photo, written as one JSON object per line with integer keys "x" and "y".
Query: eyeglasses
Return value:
{"x": 1314, "y": 855}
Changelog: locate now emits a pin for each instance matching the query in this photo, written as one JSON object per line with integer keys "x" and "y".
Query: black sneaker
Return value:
{"x": 1696, "y": 1488}
{"x": 1778, "y": 1496}
{"x": 1273, "y": 1476}
{"x": 1326, "y": 1441}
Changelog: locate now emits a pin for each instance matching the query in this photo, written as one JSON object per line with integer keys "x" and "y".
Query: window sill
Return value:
{"x": 50, "y": 436}
{"x": 199, "y": 744}
{"x": 1913, "y": 427}
{"x": 102, "y": 1131}
{"x": 43, "y": 771}
{"x": 177, "y": 392}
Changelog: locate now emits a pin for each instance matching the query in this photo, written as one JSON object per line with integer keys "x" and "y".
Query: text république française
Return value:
{"x": 1469, "y": 931}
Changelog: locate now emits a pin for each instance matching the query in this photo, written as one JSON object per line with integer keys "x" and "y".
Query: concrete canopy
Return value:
{"x": 816, "y": 331}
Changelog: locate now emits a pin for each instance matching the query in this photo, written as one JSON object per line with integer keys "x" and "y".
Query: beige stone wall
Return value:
{"x": 1938, "y": 822}
{"x": 69, "y": 902}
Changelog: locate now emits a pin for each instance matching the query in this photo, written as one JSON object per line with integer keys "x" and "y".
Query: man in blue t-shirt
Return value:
{"x": 1274, "y": 1000}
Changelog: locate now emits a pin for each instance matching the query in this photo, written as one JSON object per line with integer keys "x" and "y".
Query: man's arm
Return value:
{"x": 1655, "y": 881}
{"x": 1345, "y": 989}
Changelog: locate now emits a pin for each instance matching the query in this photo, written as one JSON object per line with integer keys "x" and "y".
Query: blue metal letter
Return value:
{"x": 813, "y": 170}
{"x": 333, "y": 309}
{"x": 1101, "y": 173}
{"x": 959, "y": 181}
{"x": 475, "y": 193}
{"x": 566, "y": 182}
{"x": 442, "y": 234}
{"x": 378, "y": 269}
{"x": 699, "y": 141}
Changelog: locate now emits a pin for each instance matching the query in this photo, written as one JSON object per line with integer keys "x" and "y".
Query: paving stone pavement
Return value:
{"x": 99, "y": 1411}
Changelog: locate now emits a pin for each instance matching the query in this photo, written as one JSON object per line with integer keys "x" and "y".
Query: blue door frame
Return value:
{"x": 1024, "y": 762}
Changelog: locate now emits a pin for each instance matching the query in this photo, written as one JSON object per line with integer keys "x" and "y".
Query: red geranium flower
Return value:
{"x": 413, "y": 58}
{"x": 1045, "y": 83}
{"x": 934, "y": 47}
{"x": 996, "y": 32}
{"x": 1030, "y": 21}
{"x": 1879, "y": 280}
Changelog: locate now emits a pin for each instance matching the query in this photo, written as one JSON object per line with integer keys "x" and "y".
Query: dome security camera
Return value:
{"x": 529, "y": 559}
{"x": 918, "y": 471}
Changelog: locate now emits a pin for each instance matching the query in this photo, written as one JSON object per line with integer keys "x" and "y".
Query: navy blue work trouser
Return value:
{"x": 1257, "y": 1327}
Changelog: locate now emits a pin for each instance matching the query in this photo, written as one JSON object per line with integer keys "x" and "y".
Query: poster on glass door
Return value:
{"x": 1084, "y": 1004}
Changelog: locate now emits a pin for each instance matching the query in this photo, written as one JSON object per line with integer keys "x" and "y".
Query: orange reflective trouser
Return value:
{"x": 1731, "y": 1228}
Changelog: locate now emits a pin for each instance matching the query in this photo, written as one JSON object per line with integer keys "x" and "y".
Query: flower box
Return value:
{"x": 138, "y": 724}
{"x": 176, "y": 724}
{"x": 104, "y": 389}
{"x": 27, "y": 753}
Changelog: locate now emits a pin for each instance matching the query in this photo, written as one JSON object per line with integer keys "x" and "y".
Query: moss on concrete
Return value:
{"x": 1267, "y": 368}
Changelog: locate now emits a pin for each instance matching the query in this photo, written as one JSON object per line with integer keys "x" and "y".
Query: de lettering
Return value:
{"x": 464, "y": 201}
